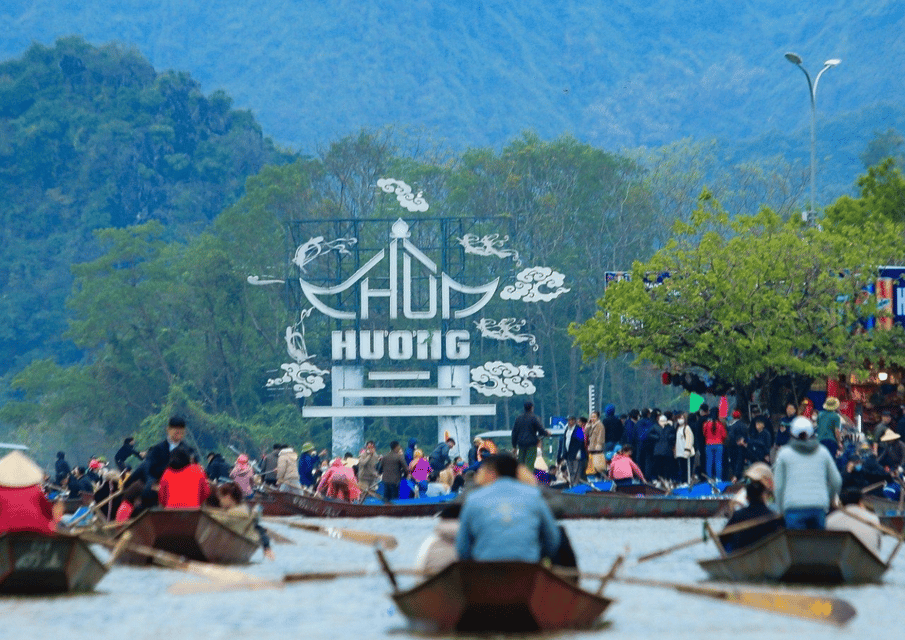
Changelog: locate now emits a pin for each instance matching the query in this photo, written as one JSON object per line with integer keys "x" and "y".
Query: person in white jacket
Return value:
{"x": 806, "y": 478}
{"x": 684, "y": 448}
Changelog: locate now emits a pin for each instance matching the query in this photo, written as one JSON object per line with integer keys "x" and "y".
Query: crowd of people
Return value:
{"x": 677, "y": 447}
{"x": 807, "y": 468}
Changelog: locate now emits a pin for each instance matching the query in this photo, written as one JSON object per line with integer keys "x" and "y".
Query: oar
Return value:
{"x": 95, "y": 508}
{"x": 363, "y": 537}
{"x": 900, "y": 537}
{"x": 173, "y": 561}
{"x": 386, "y": 569}
{"x": 183, "y": 588}
{"x": 118, "y": 549}
{"x": 821, "y": 609}
{"x": 716, "y": 539}
{"x": 279, "y": 537}
{"x": 682, "y": 545}
{"x": 873, "y": 486}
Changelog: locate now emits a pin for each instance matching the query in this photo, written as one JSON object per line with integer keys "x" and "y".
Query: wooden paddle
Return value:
{"x": 95, "y": 508}
{"x": 682, "y": 545}
{"x": 363, "y": 537}
{"x": 118, "y": 549}
{"x": 172, "y": 561}
{"x": 386, "y": 569}
{"x": 184, "y": 588}
{"x": 279, "y": 537}
{"x": 820, "y": 609}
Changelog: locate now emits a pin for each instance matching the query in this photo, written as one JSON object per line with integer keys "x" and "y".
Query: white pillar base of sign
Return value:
{"x": 348, "y": 431}
{"x": 458, "y": 426}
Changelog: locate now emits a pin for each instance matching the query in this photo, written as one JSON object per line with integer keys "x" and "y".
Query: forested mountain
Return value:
{"x": 591, "y": 126}
{"x": 92, "y": 138}
{"x": 613, "y": 74}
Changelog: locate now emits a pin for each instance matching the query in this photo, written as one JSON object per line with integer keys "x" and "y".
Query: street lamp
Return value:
{"x": 795, "y": 59}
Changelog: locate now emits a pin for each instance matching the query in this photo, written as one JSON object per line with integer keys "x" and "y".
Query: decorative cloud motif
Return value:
{"x": 504, "y": 380}
{"x": 536, "y": 284}
{"x": 407, "y": 200}
{"x": 506, "y": 329}
{"x": 489, "y": 245}
{"x": 304, "y": 377}
{"x": 318, "y": 246}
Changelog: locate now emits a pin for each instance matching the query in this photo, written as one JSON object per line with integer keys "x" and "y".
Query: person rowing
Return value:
{"x": 505, "y": 519}
{"x": 806, "y": 478}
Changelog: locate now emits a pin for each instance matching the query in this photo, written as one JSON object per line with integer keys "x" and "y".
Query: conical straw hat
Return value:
{"x": 18, "y": 470}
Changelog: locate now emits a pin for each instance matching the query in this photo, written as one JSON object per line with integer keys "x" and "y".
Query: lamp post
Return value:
{"x": 795, "y": 59}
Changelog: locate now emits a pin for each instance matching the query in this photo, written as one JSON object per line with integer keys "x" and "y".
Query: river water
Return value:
{"x": 135, "y": 603}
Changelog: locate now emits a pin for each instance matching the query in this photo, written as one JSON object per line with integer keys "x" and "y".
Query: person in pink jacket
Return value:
{"x": 339, "y": 482}
{"x": 623, "y": 469}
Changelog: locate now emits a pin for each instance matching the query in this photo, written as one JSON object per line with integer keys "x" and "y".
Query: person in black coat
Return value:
{"x": 62, "y": 468}
{"x": 613, "y": 427}
{"x": 573, "y": 450}
{"x": 526, "y": 433}
{"x": 664, "y": 448}
{"x": 217, "y": 467}
{"x": 125, "y": 452}
{"x": 158, "y": 458}
{"x": 79, "y": 483}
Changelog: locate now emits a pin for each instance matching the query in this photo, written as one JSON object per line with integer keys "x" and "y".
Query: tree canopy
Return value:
{"x": 92, "y": 138}
{"x": 747, "y": 301}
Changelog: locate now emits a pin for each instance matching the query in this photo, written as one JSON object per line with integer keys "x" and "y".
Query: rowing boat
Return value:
{"x": 501, "y": 597}
{"x": 890, "y": 513}
{"x": 612, "y": 504}
{"x": 286, "y": 503}
{"x": 32, "y": 563}
{"x": 204, "y": 534}
{"x": 813, "y": 557}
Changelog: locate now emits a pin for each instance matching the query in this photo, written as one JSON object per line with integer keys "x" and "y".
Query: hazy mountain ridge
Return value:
{"x": 614, "y": 74}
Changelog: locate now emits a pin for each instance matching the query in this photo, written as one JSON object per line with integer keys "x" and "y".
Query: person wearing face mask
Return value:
{"x": 854, "y": 476}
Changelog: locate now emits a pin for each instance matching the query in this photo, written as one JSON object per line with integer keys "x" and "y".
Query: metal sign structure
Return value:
{"x": 400, "y": 302}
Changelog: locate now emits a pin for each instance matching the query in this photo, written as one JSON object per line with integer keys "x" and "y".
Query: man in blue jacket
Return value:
{"x": 505, "y": 519}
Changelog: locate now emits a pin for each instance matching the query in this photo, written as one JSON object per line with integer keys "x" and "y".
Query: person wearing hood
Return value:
{"x": 410, "y": 450}
{"x": 338, "y": 482}
{"x": 309, "y": 463}
{"x": 217, "y": 467}
{"x": 23, "y": 505}
{"x": 288, "y": 470}
{"x": 62, "y": 468}
{"x": 806, "y": 478}
{"x": 612, "y": 427}
{"x": 243, "y": 475}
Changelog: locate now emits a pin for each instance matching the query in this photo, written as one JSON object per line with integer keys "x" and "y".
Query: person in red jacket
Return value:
{"x": 714, "y": 437}
{"x": 183, "y": 485}
{"x": 23, "y": 506}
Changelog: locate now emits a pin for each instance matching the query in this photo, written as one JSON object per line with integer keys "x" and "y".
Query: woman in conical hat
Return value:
{"x": 23, "y": 506}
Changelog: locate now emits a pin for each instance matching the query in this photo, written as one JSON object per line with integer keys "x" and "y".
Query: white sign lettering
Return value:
{"x": 400, "y": 345}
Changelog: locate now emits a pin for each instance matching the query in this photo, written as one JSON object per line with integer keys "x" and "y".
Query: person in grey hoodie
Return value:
{"x": 806, "y": 478}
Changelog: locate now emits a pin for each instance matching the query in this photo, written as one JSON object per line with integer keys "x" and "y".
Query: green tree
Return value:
{"x": 882, "y": 198}
{"x": 752, "y": 301}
